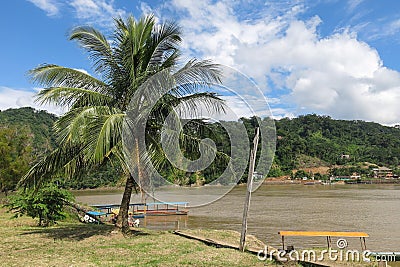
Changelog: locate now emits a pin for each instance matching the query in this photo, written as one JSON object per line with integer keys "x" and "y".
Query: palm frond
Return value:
{"x": 195, "y": 75}
{"x": 162, "y": 48}
{"x": 102, "y": 133}
{"x": 192, "y": 105}
{"x": 135, "y": 42}
{"x": 171, "y": 60}
{"x": 49, "y": 75}
{"x": 77, "y": 97}
{"x": 70, "y": 128}
{"x": 52, "y": 164}
{"x": 175, "y": 140}
{"x": 98, "y": 47}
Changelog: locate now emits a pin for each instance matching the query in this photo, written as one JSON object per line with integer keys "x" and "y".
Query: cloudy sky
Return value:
{"x": 333, "y": 57}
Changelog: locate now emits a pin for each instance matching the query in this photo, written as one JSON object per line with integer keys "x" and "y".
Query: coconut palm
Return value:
{"x": 90, "y": 132}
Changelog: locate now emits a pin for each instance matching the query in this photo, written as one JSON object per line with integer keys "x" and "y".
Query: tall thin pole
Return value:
{"x": 249, "y": 189}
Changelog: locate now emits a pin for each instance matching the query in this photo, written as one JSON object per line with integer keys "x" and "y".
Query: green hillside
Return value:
{"x": 306, "y": 141}
{"x": 39, "y": 123}
{"x": 312, "y": 141}
{"x": 33, "y": 130}
{"x": 327, "y": 139}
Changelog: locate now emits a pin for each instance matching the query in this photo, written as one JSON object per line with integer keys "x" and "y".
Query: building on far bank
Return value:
{"x": 383, "y": 172}
{"x": 340, "y": 178}
{"x": 257, "y": 176}
{"x": 355, "y": 176}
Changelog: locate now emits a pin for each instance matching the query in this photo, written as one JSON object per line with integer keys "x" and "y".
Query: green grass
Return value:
{"x": 75, "y": 244}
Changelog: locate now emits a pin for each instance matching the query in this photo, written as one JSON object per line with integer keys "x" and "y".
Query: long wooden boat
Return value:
{"x": 140, "y": 210}
{"x": 160, "y": 208}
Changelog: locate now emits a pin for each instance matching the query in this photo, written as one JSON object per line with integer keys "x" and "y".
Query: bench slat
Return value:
{"x": 315, "y": 233}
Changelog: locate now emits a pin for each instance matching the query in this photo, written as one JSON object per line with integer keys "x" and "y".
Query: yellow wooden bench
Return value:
{"x": 328, "y": 236}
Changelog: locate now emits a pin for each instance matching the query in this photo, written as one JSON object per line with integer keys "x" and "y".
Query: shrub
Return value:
{"x": 46, "y": 204}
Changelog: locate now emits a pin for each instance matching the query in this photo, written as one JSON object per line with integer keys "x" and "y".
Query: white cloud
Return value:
{"x": 213, "y": 29}
{"x": 337, "y": 75}
{"x": 17, "y": 98}
{"x": 353, "y": 4}
{"x": 382, "y": 28}
{"x": 100, "y": 12}
{"x": 50, "y": 6}
{"x": 145, "y": 8}
{"x": 12, "y": 98}
{"x": 393, "y": 27}
{"x": 83, "y": 70}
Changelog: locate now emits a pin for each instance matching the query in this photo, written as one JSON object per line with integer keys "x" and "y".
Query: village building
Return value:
{"x": 383, "y": 172}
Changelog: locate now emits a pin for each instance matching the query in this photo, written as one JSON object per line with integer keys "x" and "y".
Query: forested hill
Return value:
{"x": 25, "y": 135}
{"x": 310, "y": 139}
{"x": 38, "y": 123}
{"x": 327, "y": 139}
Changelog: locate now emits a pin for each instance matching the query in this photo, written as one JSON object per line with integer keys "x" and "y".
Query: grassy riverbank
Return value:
{"x": 71, "y": 243}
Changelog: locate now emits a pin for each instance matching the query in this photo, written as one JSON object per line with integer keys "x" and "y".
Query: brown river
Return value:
{"x": 374, "y": 209}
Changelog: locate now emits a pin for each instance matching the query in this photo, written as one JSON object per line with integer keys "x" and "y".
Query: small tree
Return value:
{"x": 47, "y": 204}
{"x": 300, "y": 174}
{"x": 15, "y": 155}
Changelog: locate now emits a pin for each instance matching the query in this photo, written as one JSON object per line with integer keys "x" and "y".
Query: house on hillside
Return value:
{"x": 339, "y": 178}
{"x": 383, "y": 172}
{"x": 345, "y": 156}
{"x": 350, "y": 178}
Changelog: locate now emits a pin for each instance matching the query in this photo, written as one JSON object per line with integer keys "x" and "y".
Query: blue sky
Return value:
{"x": 333, "y": 57}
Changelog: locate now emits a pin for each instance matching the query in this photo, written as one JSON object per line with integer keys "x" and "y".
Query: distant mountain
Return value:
{"x": 306, "y": 141}
{"x": 336, "y": 141}
{"x": 40, "y": 124}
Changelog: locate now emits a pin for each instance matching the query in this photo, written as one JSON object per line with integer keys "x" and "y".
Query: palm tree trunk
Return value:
{"x": 139, "y": 171}
{"x": 122, "y": 221}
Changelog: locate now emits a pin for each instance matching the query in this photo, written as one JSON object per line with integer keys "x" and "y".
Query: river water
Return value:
{"x": 374, "y": 209}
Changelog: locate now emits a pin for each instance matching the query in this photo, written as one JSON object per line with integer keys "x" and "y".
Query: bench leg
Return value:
{"x": 283, "y": 242}
{"x": 363, "y": 245}
{"x": 329, "y": 241}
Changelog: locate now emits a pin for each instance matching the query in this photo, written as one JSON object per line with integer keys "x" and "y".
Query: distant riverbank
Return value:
{"x": 276, "y": 181}
{"x": 267, "y": 181}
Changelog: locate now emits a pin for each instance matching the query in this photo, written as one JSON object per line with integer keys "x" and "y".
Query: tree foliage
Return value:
{"x": 327, "y": 139}
{"x": 107, "y": 174}
{"x": 15, "y": 155}
{"x": 38, "y": 122}
{"x": 46, "y": 203}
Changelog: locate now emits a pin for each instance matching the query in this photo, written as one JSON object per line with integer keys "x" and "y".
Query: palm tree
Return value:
{"x": 92, "y": 130}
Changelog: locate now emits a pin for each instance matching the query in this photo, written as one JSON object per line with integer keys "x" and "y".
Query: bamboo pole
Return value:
{"x": 249, "y": 189}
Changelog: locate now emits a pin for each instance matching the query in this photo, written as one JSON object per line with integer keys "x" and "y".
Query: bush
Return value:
{"x": 46, "y": 204}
